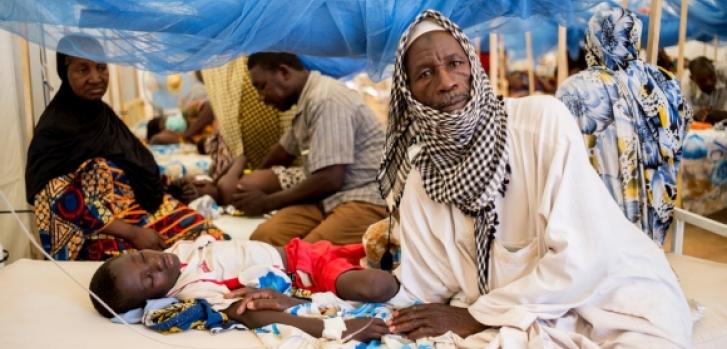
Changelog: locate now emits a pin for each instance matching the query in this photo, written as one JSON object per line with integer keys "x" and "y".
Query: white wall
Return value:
{"x": 13, "y": 145}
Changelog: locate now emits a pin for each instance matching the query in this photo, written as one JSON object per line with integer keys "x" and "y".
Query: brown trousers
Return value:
{"x": 346, "y": 224}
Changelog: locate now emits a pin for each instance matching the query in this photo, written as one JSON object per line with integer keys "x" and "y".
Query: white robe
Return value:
{"x": 568, "y": 269}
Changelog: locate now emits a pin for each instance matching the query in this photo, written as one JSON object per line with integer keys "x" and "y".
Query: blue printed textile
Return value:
{"x": 633, "y": 119}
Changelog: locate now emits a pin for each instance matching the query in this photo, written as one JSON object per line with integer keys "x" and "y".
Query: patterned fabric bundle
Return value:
{"x": 633, "y": 118}
{"x": 190, "y": 314}
{"x": 463, "y": 159}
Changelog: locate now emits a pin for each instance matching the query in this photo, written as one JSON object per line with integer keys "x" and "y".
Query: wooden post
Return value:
{"x": 113, "y": 88}
{"x": 494, "y": 63}
{"x": 137, "y": 84}
{"x": 652, "y": 48}
{"x": 531, "y": 67}
{"x": 562, "y": 55}
{"x": 504, "y": 83}
{"x": 682, "y": 39}
{"x": 716, "y": 48}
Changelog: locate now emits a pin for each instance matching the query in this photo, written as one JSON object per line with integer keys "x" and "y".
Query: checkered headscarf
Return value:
{"x": 463, "y": 158}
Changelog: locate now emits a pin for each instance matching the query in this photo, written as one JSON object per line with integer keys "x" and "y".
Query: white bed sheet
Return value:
{"x": 238, "y": 227}
{"x": 40, "y": 307}
{"x": 706, "y": 282}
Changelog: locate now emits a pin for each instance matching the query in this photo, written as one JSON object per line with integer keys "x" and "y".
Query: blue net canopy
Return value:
{"x": 706, "y": 18}
{"x": 335, "y": 36}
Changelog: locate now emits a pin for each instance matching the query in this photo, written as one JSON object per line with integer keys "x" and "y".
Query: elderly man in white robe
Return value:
{"x": 509, "y": 238}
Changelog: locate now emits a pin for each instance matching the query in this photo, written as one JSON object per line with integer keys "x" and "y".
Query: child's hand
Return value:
{"x": 261, "y": 299}
{"x": 365, "y": 329}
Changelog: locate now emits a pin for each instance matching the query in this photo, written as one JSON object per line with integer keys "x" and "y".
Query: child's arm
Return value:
{"x": 205, "y": 117}
{"x": 366, "y": 327}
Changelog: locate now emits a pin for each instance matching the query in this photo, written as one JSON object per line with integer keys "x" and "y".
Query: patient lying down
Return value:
{"x": 224, "y": 272}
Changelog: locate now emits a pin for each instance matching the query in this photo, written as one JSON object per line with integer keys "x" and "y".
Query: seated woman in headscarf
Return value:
{"x": 96, "y": 189}
{"x": 633, "y": 118}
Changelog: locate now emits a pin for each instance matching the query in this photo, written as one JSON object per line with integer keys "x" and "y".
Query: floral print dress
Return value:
{"x": 633, "y": 119}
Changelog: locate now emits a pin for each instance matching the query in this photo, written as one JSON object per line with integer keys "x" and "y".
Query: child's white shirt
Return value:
{"x": 211, "y": 268}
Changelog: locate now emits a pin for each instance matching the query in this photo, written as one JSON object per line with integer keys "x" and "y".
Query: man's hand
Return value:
{"x": 145, "y": 238}
{"x": 365, "y": 329}
{"x": 205, "y": 187}
{"x": 261, "y": 299}
{"x": 251, "y": 201}
{"x": 429, "y": 320}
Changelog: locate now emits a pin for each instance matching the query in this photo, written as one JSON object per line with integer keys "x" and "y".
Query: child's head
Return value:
{"x": 126, "y": 282}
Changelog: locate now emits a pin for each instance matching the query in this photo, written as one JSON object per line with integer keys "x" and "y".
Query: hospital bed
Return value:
{"x": 40, "y": 307}
{"x": 174, "y": 160}
{"x": 702, "y": 280}
{"x": 180, "y": 160}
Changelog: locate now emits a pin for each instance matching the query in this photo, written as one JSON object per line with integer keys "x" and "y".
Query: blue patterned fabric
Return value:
{"x": 633, "y": 119}
{"x": 190, "y": 314}
{"x": 276, "y": 282}
{"x": 179, "y": 160}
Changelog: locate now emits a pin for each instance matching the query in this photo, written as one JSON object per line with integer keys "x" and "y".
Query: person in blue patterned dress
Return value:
{"x": 633, "y": 118}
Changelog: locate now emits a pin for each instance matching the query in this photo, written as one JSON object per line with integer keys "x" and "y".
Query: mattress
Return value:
{"x": 706, "y": 282}
{"x": 40, "y": 307}
{"x": 238, "y": 227}
{"x": 37, "y": 298}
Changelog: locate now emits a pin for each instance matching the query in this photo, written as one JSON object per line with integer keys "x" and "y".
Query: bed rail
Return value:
{"x": 681, "y": 217}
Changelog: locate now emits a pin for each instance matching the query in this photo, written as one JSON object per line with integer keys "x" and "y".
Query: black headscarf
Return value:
{"x": 73, "y": 129}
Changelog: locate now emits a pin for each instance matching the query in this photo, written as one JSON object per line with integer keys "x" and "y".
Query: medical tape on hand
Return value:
{"x": 333, "y": 328}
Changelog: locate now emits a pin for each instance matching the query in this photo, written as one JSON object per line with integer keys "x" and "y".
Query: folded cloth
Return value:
{"x": 134, "y": 316}
{"x": 207, "y": 207}
{"x": 190, "y": 314}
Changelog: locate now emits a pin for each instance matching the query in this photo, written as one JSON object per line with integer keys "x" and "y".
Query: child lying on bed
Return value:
{"x": 211, "y": 269}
